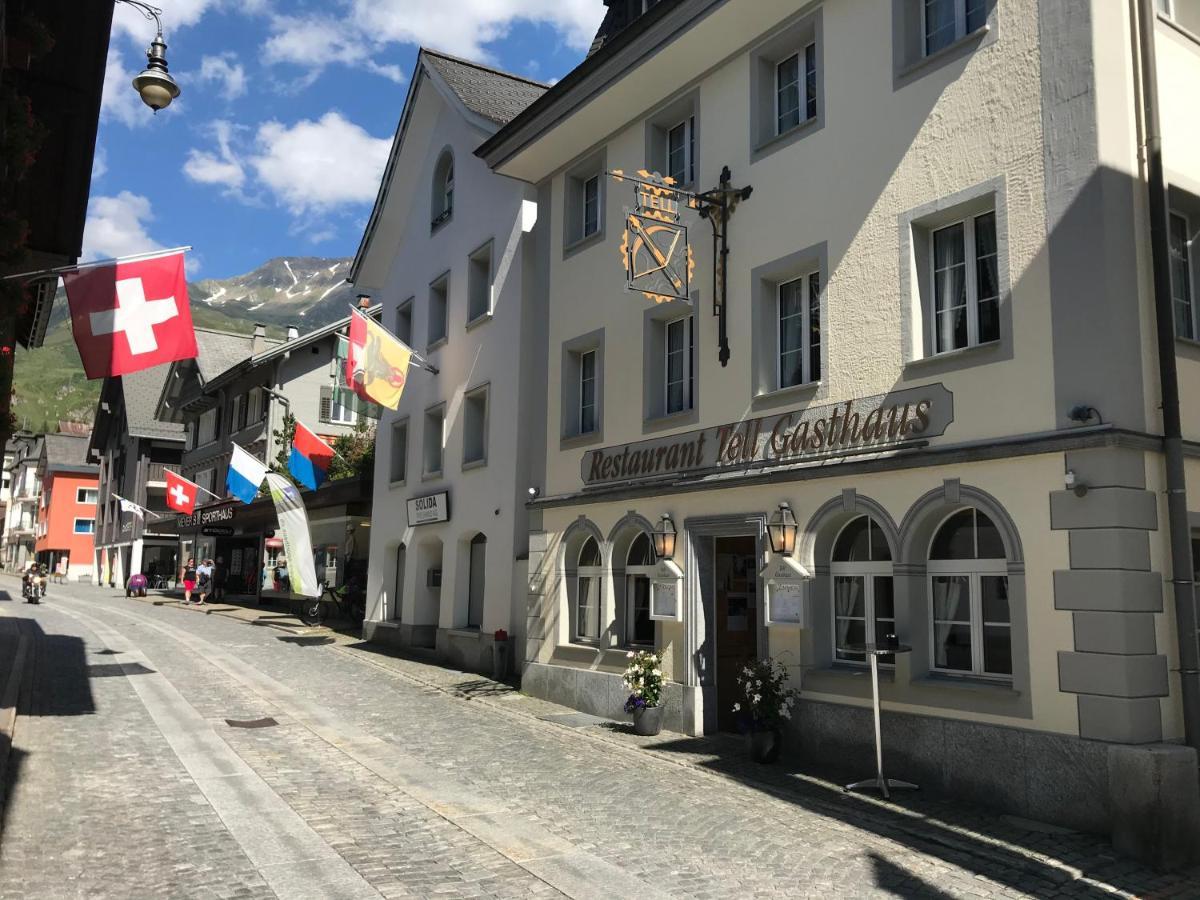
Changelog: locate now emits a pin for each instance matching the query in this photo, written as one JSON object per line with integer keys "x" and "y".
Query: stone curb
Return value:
{"x": 8, "y": 706}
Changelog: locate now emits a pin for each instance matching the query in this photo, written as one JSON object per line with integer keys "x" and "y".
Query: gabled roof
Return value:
{"x": 220, "y": 350}
{"x": 141, "y": 391}
{"x": 495, "y": 95}
{"x": 66, "y": 453}
{"x": 488, "y": 98}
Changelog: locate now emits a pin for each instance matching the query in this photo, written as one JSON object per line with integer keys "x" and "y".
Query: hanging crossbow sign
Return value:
{"x": 655, "y": 251}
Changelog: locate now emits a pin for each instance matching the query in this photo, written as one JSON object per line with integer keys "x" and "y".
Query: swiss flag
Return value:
{"x": 181, "y": 493}
{"x": 131, "y": 315}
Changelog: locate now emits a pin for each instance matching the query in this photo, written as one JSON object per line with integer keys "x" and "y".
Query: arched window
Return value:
{"x": 477, "y": 577}
{"x": 588, "y": 574}
{"x": 864, "y": 605}
{"x": 639, "y": 566}
{"x": 971, "y": 623}
{"x": 443, "y": 188}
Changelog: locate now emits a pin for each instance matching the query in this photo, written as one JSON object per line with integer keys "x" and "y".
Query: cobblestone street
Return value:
{"x": 132, "y": 774}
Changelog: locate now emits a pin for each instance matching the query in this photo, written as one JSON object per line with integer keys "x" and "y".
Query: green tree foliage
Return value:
{"x": 356, "y": 453}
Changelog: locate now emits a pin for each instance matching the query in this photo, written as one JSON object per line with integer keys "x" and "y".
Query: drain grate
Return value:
{"x": 251, "y": 723}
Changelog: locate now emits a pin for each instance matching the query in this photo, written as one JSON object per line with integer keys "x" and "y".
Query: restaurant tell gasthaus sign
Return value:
{"x": 849, "y": 427}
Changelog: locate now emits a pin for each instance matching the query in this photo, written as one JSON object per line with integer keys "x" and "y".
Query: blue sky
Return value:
{"x": 276, "y": 144}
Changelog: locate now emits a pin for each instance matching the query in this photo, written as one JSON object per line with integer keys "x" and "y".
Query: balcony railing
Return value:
{"x": 156, "y": 474}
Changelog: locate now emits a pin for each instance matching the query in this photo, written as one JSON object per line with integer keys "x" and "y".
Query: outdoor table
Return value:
{"x": 874, "y": 651}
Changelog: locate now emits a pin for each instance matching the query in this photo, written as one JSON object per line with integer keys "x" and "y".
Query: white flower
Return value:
{"x": 737, "y": 707}
{"x": 757, "y": 698}
{"x": 785, "y": 713}
{"x": 746, "y": 671}
{"x": 658, "y": 672}
{"x": 630, "y": 654}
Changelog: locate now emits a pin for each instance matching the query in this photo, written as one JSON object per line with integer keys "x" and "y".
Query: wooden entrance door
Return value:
{"x": 736, "y": 571}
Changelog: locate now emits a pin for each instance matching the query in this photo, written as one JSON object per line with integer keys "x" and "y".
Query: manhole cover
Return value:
{"x": 251, "y": 723}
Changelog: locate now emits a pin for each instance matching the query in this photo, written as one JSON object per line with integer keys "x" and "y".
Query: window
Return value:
{"x": 85, "y": 526}
{"x": 1181, "y": 277}
{"x": 479, "y": 283}
{"x": 681, "y": 151}
{"x": 237, "y": 420}
{"x": 86, "y": 495}
{"x": 678, "y": 375}
{"x": 591, "y": 207}
{"x": 255, "y": 408}
{"x": 971, "y": 630}
{"x": 439, "y": 301}
{"x": 864, "y": 604}
{"x": 399, "y": 467}
{"x": 475, "y": 427}
{"x": 966, "y": 288}
{"x": 339, "y": 412}
{"x": 587, "y": 392}
{"x": 796, "y": 89}
{"x": 477, "y": 578}
{"x": 799, "y": 330}
{"x": 205, "y": 478}
{"x": 404, "y": 321}
{"x": 206, "y": 431}
{"x": 1185, "y": 13}
{"x": 639, "y": 568}
{"x": 434, "y": 440}
{"x": 442, "y": 207}
{"x": 946, "y": 21}
{"x": 588, "y": 574}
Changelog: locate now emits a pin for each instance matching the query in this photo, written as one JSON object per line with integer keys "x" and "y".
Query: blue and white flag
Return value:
{"x": 245, "y": 475}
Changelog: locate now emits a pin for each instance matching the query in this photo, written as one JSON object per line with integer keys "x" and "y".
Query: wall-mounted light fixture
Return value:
{"x": 782, "y": 531}
{"x": 154, "y": 84}
{"x": 1084, "y": 414}
{"x": 664, "y": 538}
{"x": 1074, "y": 483}
{"x": 534, "y": 492}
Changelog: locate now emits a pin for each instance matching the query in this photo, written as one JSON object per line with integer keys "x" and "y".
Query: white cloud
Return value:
{"x": 226, "y": 72}
{"x": 119, "y": 101}
{"x": 221, "y": 168}
{"x": 99, "y": 162}
{"x": 131, "y": 23}
{"x": 462, "y": 27}
{"x": 116, "y": 226}
{"x": 319, "y": 166}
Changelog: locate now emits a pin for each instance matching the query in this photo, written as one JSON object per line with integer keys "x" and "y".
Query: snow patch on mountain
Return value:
{"x": 282, "y": 291}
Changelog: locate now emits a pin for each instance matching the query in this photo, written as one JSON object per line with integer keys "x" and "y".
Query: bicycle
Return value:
{"x": 315, "y": 610}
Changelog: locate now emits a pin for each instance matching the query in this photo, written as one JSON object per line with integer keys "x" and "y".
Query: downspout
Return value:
{"x": 1177, "y": 514}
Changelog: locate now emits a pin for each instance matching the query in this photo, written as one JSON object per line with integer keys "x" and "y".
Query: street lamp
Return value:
{"x": 664, "y": 538}
{"x": 155, "y": 85}
{"x": 782, "y": 531}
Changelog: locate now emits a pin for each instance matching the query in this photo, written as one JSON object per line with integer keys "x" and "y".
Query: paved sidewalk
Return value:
{"x": 429, "y": 781}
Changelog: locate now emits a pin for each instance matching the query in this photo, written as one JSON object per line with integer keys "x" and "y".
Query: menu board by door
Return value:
{"x": 786, "y": 600}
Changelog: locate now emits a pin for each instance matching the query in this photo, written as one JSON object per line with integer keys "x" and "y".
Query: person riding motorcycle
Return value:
{"x": 33, "y": 583}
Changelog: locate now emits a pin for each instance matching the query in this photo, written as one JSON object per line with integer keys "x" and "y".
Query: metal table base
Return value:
{"x": 879, "y": 782}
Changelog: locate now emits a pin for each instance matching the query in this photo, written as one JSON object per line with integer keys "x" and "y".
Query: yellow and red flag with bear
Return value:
{"x": 377, "y": 362}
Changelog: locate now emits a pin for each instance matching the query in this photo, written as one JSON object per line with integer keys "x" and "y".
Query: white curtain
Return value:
{"x": 947, "y": 590}
{"x": 847, "y": 593}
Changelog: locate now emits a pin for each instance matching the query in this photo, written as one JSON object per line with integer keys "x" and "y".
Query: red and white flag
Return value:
{"x": 181, "y": 493}
{"x": 131, "y": 315}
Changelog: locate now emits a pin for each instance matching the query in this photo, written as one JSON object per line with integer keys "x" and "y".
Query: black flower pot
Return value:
{"x": 764, "y": 745}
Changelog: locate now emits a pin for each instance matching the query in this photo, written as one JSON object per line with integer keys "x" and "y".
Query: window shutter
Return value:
{"x": 326, "y": 411}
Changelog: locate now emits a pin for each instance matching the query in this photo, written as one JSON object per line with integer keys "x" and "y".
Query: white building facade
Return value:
{"x": 447, "y": 253}
{"x": 942, "y": 357}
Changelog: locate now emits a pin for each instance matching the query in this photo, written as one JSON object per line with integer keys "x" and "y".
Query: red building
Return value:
{"x": 66, "y": 524}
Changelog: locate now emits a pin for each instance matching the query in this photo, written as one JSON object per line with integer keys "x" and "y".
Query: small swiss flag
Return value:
{"x": 131, "y": 315}
{"x": 181, "y": 493}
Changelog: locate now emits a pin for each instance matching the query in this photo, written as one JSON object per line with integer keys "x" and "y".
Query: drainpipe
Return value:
{"x": 1177, "y": 515}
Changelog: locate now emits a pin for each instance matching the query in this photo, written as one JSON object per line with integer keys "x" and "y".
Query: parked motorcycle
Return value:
{"x": 33, "y": 585}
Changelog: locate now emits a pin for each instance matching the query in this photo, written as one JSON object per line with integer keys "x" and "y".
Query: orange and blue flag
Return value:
{"x": 310, "y": 458}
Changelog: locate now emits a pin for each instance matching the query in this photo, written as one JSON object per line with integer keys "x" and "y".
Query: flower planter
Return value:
{"x": 647, "y": 720}
{"x": 764, "y": 746}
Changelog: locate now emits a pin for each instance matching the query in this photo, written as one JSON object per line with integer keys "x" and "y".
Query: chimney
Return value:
{"x": 292, "y": 332}
{"x": 364, "y": 302}
{"x": 258, "y": 342}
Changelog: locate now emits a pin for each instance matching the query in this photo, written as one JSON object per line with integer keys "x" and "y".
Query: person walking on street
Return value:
{"x": 204, "y": 573}
{"x": 188, "y": 576}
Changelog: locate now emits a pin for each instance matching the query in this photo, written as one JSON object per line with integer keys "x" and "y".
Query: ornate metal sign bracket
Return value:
{"x": 655, "y": 252}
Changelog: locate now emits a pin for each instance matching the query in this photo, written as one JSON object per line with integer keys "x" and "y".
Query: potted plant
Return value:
{"x": 766, "y": 704}
{"x": 644, "y": 681}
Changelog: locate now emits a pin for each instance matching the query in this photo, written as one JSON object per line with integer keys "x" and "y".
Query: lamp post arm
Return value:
{"x": 152, "y": 13}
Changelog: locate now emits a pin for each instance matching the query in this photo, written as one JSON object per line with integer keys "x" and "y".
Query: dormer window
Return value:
{"x": 443, "y": 190}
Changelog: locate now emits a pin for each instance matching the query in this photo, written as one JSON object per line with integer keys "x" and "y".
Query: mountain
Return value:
{"x": 305, "y": 291}
{"x": 49, "y": 385}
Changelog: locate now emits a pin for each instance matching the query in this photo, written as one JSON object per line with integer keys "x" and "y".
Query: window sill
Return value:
{"x": 969, "y": 683}
{"x": 431, "y": 476}
{"x": 397, "y": 485}
{"x": 479, "y": 320}
{"x": 778, "y": 141}
{"x": 780, "y": 396}
{"x": 440, "y": 222}
{"x": 670, "y": 420}
{"x": 474, "y": 464}
{"x": 436, "y": 343}
{"x": 465, "y": 632}
{"x": 1171, "y": 23}
{"x": 582, "y": 243}
{"x": 571, "y": 441}
{"x": 909, "y": 72}
{"x": 952, "y": 359}
{"x": 1187, "y": 347}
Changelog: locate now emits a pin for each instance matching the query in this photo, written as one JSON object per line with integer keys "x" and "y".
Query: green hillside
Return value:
{"x": 49, "y": 385}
